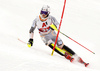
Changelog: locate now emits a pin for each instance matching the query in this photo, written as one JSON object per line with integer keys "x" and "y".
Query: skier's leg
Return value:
{"x": 57, "y": 49}
{"x": 75, "y": 56}
{"x": 48, "y": 41}
{"x": 67, "y": 49}
{"x": 61, "y": 45}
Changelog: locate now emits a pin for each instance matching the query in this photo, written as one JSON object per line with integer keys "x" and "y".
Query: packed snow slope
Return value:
{"x": 81, "y": 22}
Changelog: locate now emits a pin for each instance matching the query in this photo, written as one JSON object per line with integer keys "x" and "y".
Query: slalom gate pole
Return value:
{"x": 53, "y": 26}
{"x": 77, "y": 42}
{"x": 59, "y": 27}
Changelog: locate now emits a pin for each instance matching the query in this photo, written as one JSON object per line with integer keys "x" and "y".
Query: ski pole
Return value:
{"x": 53, "y": 26}
{"x": 22, "y": 41}
{"x": 59, "y": 27}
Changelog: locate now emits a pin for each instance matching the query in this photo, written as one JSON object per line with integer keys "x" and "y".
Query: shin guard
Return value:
{"x": 58, "y": 50}
{"x": 67, "y": 49}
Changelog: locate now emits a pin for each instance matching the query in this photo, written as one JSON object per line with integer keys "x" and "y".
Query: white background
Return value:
{"x": 81, "y": 22}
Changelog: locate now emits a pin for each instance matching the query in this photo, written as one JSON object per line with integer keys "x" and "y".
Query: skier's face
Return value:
{"x": 44, "y": 16}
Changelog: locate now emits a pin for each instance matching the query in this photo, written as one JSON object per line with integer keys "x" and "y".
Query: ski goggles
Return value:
{"x": 44, "y": 12}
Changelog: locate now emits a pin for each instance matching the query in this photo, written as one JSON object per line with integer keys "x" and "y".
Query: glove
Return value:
{"x": 30, "y": 43}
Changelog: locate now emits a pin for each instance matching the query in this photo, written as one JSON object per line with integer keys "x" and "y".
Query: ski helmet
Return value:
{"x": 45, "y": 10}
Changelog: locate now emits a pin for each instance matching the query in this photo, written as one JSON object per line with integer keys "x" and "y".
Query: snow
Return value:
{"x": 81, "y": 22}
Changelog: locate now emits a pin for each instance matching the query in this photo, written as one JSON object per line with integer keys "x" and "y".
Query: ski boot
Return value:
{"x": 81, "y": 61}
{"x": 67, "y": 56}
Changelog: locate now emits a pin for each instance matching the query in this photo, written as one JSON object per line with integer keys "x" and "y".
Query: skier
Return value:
{"x": 48, "y": 35}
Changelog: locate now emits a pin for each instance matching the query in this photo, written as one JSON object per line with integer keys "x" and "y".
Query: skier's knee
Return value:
{"x": 60, "y": 44}
{"x": 49, "y": 42}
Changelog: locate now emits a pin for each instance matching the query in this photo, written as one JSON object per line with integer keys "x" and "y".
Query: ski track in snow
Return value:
{"x": 81, "y": 22}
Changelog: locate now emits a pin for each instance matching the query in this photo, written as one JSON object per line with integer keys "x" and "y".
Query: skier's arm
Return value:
{"x": 31, "y": 33}
{"x": 55, "y": 22}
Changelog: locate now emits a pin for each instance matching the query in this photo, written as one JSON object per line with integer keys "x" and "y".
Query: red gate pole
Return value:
{"x": 59, "y": 27}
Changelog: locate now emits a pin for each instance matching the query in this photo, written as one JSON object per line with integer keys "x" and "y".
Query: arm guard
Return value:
{"x": 55, "y": 22}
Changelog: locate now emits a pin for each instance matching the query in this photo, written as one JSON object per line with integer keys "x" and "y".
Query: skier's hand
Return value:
{"x": 30, "y": 42}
